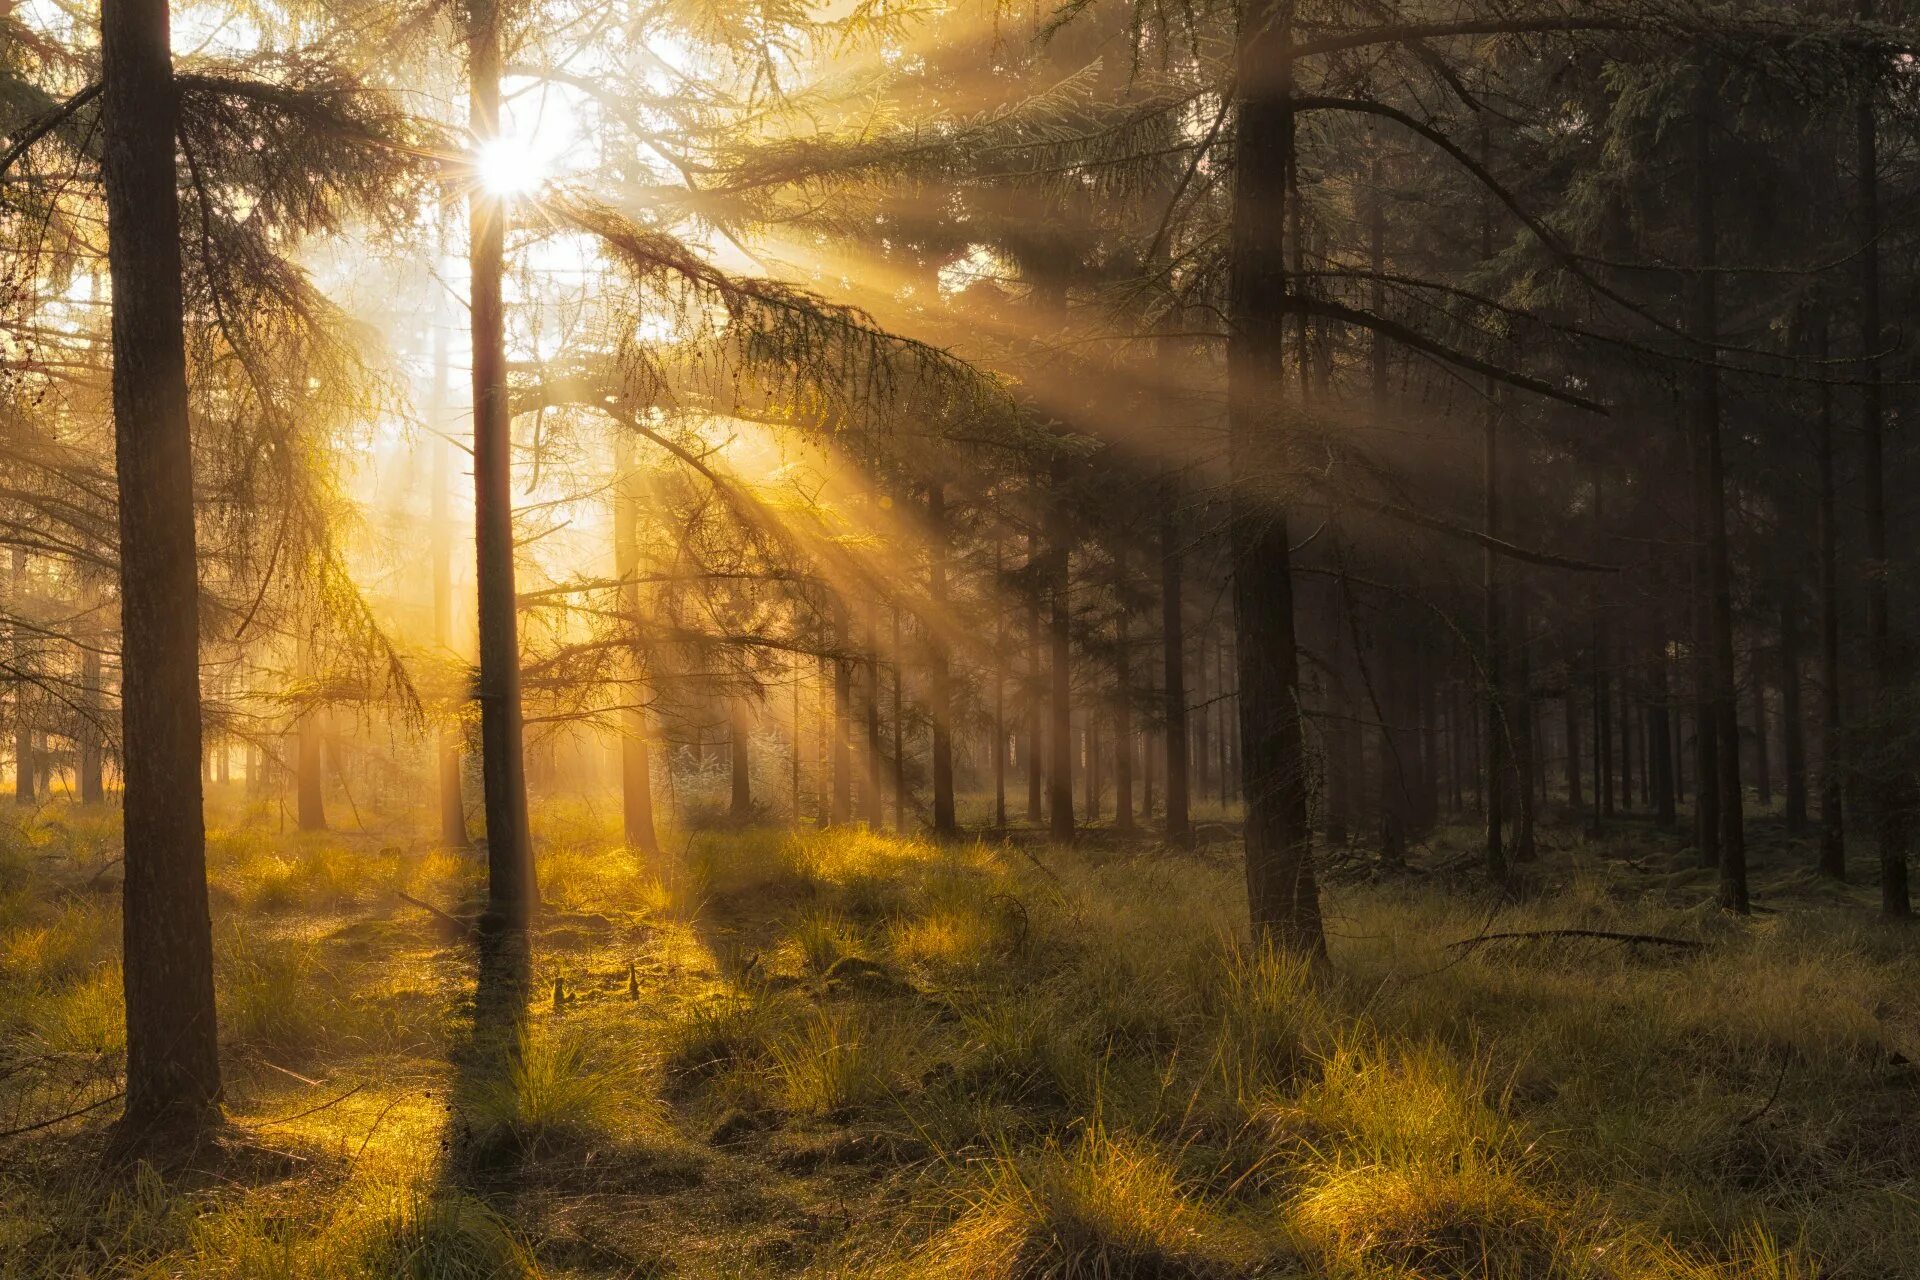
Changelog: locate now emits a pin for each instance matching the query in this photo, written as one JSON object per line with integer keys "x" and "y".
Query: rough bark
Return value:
{"x": 172, "y": 1058}
{"x": 1283, "y": 900}
{"x": 1060, "y": 823}
{"x": 511, "y": 889}
{"x": 1036, "y": 772}
{"x": 636, "y": 763}
{"x": 1704, "y": 325}
{"x": 1793, "y": 727}
{"x": 1890, "y": 778}
{"x": 939, "y": 677}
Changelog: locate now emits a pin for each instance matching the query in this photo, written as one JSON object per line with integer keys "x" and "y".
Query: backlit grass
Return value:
{"x": 841, "y": 1054}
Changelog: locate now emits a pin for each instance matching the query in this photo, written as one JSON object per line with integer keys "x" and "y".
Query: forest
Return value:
{"x": 1007, "y": 639}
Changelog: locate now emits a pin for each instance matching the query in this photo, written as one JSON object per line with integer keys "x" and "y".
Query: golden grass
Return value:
{"x": 1081, "y": 1073}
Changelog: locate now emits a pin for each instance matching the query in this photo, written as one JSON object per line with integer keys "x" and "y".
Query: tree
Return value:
{"x": 511, "y": 889}
{"x": 173, "y": 1062}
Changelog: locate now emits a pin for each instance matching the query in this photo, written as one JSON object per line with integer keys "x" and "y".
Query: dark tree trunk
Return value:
{"x": 872, "y": 801}
{"x": 1173, "y": 705}
{"x": 1893, "y": 799}
{"x": 511, "y": 889}
{"x": 939, "y": 691}
{"x": 310, "y": 773}
{"x": 93, "y": 789}
{"x": 1201, "y": 725}
{"x": 1223, "y": 697}
{"x": 1833, "y": 839}
{"x": 1762, "y": 766}
{"x": 841, "y": 810}
{"x": 1660, "y": 740}
{"x": 173, "y": 1052}
{"x": 636, "y": 764}
{"x": 739, "y": 762}
{"x": 1455, "y": 744}
{"x": 1575, "y": 800}
{"x": 1623, "y": 727}
{"x": 1525, "y": 848}
{"x": 1703, "y": 308}
{"x": 1093, "y": 779}
{"x": 1336, "y": 768}
{"x": 25, "y": 790}
{"x": 1283, "y": 901}
{"x": 1394, "y": 740}
{"x": 1793, "y": 727}
{"x": 1679, "y": 716}
{"x": 1122, "y": 721}
{"x": 1059, "y": 551}
{"x": 999, "y": 690}
{"x": 1036, "y": 774}
{"x": 899, "y": 726}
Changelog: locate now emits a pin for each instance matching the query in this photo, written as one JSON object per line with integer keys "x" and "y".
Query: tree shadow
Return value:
{"x": 484, "y": 1063}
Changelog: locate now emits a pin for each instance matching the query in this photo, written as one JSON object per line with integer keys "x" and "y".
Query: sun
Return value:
{"x": 509, "y": 166}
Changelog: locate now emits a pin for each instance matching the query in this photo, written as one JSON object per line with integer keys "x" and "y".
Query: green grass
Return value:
{"x": 847, "y": 1055}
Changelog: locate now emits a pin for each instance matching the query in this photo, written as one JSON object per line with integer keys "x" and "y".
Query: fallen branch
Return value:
{"x": 448, "y": 917}
{"x": 301, "y": 1115}
{"x": 1604, "y": 935}
{"x": 1772, "y": 1098}
{"x": 63, "y": 1118}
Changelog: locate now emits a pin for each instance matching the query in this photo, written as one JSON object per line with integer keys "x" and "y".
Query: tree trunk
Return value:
{"x": 24, "y": 789}
{"x": 1457, "y": 800}
{"x": 636, "y": 764}
{"x": 1060, "y": 791}
{"x": 1283, "y": 901}
{"x": 899, "y": 725}
{"x": 1575, "y": 802}
{"x": 1762, "y": 766}
{"x": 871, "y": 800}
{"x": 1201, "y": 724}
{"x": 1122, "y": 721}
{"x": 1833, "y": 839}
{"x": 511, "y": 889}
{"x": 173, "y": 1053}
{"x": 939, "y": 690}
{"x": 841, "y": 810}
{"x": 999, "y": 689}
{"x": 1793, "y": 728}
{"x": 1036, "y": 775}
{"x": 1705, "y": 327}
{"x": 1660, "y": 740}
{"x": 1892, "y": 784}
{"x": 1173, "y": 705}
{"x": 310, "y": 772}
{"x": 93, "y": 788}
{"x": 739, "y": 761}
{"x": 1624, "y": 730}
{"x": 1525, "y": 848}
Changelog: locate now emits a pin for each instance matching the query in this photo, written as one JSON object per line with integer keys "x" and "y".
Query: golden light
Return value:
{"x": 509, "y": 166}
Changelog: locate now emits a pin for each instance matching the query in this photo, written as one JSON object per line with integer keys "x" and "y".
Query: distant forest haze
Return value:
{"x": 1103, "y": 640}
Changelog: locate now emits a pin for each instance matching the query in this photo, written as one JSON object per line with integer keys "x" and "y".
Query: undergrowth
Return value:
{"x": 842, "y": 1054}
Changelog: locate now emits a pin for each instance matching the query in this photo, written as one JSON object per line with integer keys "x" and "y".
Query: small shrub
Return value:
{"x": 839, "y": 1059}
{"x": 550, "y": 1094}
{"x": 1104, "y": 1207}
{"x": 446, "y": 1237}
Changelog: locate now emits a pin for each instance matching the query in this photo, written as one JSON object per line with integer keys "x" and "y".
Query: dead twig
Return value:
{"x": 446, "y": 916}
{"x": 1603, "y": 935}
{"x": 301, "y": 1115}
{"x": 50, "y": 1121}
{"x": 1772, "y": 1098}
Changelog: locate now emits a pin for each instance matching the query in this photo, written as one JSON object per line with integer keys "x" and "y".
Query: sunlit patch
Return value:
{"x": 509, "y": 166}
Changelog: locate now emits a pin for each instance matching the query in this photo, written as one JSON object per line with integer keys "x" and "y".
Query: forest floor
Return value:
{"x": 844, "y": 1054}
